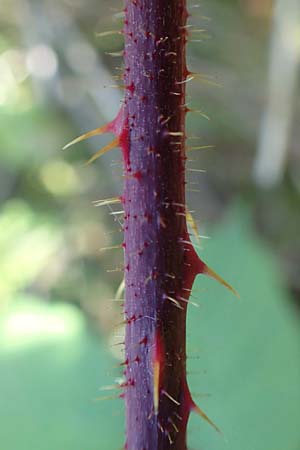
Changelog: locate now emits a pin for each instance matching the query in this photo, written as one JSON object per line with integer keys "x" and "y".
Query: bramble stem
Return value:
{"x": 157, "y": 269}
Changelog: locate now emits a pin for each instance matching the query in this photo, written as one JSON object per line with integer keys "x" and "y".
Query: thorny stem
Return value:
{"x": 158, "y": 268}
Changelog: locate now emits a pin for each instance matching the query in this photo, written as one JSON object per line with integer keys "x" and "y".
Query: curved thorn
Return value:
{"x": 211, "y": 273}
{"x": 102, "y": 151}
{"x": 87, "y": 135}
{"x": 202, "y": 414}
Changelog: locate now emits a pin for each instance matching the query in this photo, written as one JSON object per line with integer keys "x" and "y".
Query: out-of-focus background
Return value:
{"x": 60, "y": 313}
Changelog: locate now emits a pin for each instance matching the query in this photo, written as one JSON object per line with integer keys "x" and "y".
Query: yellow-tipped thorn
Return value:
{"x": 156, "y": 375}
{"x": 190, "y": 219}
{"x": 211, "y": 273}
{"x": 103, "y": 150}
{"x": 202, "y": 414}
{"x": 87, "y": 135}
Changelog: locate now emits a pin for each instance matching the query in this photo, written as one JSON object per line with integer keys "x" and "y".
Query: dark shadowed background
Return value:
{"x": 60, "y": 309}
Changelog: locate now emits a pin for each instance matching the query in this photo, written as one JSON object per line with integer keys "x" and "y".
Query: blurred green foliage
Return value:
{"x": 52, "y": 368}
